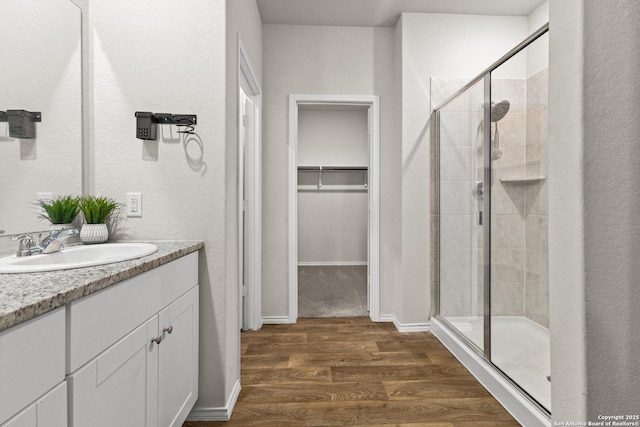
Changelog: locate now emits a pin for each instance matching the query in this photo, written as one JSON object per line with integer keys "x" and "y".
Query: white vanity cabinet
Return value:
{"x": 32, "y": 386}
{"x": 132, "y": 350}
{"x": 49, "y": 410}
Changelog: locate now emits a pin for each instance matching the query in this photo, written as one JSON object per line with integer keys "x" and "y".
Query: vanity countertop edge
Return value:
{"x": 25, "y": 296}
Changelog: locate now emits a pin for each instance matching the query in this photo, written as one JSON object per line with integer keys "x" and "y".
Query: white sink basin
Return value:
{"x": 76, "y": 257}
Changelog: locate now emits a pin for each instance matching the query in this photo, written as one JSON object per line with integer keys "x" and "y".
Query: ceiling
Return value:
{"x": 380, "y": 13}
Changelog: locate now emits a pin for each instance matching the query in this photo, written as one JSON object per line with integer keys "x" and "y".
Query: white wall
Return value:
{"x": 332, "y": 225}
{"x": 594, "y": 160}
{"x": 152, "y": 56}
{"x": 301, "y": 59}
{"x": 612, "y": 204}
{"x": 436, "y": 45}
{"x": 40, "y": 72}
{"x": 538, "y": 53}
{"x": 322, "y": 60}
{"x": 333, "y": 136}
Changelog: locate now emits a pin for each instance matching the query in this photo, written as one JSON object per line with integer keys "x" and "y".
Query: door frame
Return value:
{"x": 373, "y": 237}
{"x": 249, "y": 179}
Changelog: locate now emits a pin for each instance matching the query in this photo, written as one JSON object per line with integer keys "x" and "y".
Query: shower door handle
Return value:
{"x": 480, "y": 218}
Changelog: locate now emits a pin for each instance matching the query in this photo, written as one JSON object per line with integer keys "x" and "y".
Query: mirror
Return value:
{"x": 40, "y": 51}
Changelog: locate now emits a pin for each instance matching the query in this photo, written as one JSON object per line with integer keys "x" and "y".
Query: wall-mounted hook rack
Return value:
{"x": 21, "y": 122}
{"x": 147, "y": 123}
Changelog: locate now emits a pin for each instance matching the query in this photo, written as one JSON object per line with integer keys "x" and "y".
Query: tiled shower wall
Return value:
{"x": 519, "y": 227}
{"x": 536, "y": 204}
{"x": 508, "y": 202}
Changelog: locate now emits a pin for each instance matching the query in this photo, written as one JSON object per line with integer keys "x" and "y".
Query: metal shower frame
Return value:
{"x": 487, "y": 147}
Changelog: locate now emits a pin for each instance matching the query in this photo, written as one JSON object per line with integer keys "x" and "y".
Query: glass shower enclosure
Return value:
{"x": 489, "y": 143}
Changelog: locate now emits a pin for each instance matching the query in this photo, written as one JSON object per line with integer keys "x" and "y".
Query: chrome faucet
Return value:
{"x": 27, "y": 245}
{"x": 51, "y": 243}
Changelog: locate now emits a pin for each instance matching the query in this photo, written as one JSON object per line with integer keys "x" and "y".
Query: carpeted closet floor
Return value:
{"x": 332, "y": 291}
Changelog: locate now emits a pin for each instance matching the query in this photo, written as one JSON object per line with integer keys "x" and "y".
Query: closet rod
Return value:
{"x": 333, "y": 168}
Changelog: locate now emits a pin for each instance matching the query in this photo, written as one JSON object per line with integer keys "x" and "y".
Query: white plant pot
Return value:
{"x": 94, "y": 233}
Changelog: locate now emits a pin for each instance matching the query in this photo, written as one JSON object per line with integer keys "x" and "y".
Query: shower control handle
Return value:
{"x": 478, "y": 190}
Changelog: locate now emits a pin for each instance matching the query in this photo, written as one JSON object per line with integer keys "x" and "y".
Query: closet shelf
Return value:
{"x": 334, "y": 186}
{"x": 523, "y": 180}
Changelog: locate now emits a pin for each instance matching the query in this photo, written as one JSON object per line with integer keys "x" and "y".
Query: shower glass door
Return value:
{"x": 519, "y": 293}
{"x": 490, "y": 219}
{"x": 461, "y": 209}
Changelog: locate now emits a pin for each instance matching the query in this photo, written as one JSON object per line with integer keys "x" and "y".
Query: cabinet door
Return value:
{"x": 48, "y": 411}
{"x": 26, "y": 418}
{"x": 178, "y": 366}
{"x": 118, "y": 387}
{"x": 52, "y": 407}
{"x": 31, "y": 361}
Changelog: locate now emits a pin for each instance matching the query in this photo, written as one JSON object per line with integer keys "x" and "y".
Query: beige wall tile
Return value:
{"x": 455, "y": 266}
{"x": 507, "y": 199}
{"x": 507, "y": 265}
{"x": 456, "y": 198}
{"x": 537, "y": 126}
{"x": 456, "y": 163}
{"x": 537, "y": 303}
{"x": 512, "y": 130}
{"x": 537, "y": 233}
{"x": 507, "y": 298}
{"x": 512, "y": 90}
{"x": 536, "y": 268}
{"x": 507, "y": 232}
{"x": 538, "y": 90}
{"x": 536, "y": 202}
{"x": 456, "y": 231}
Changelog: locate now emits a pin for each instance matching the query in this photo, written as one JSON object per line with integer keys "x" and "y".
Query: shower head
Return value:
{"x": 499, "y": 110}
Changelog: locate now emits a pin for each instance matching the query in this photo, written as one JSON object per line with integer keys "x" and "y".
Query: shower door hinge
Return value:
{"x": 245, "y": 205}
{"x": 480, "y": 218}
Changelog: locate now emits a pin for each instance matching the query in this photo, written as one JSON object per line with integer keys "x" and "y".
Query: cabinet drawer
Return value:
{"x": 32, "y": 361}
{"x": 96, "y": 322}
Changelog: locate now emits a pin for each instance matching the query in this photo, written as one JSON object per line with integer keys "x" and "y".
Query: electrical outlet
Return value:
{"x": 134, "y": 204}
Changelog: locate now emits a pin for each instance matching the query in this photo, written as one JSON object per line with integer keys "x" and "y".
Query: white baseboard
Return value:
{"x": 411, "y": 327}
{"x": 216, "y": 413}
{"x": 276, "y": 320}
{"x": 514, "y": 401}
{"x": 331, "y": 263}
{"x": 385, "y": 318}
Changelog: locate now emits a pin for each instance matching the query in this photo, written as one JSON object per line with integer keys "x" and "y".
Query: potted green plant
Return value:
{"x": 97, "y": 211}
{"x": 60, "y": 212}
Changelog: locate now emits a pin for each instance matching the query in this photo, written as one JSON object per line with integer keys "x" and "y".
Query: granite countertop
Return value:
{"x": 25, "y": 296}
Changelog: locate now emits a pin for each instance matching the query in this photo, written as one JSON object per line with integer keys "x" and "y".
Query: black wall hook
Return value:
{"x": 147, "y": 123}
{"x": 21, "y": 122}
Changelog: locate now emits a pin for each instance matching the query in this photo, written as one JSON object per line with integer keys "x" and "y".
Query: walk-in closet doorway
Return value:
{"x": 333, "y": 206}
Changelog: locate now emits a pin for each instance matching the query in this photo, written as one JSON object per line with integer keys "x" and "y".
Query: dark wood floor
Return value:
{"x": 353, "y": 372}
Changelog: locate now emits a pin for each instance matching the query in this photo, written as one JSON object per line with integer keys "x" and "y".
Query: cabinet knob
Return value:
{"x": 168, "y": 330}
{"x": 157, "y": 340}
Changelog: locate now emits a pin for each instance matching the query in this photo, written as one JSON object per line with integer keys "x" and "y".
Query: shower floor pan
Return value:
{"x": 520, "y": 349}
